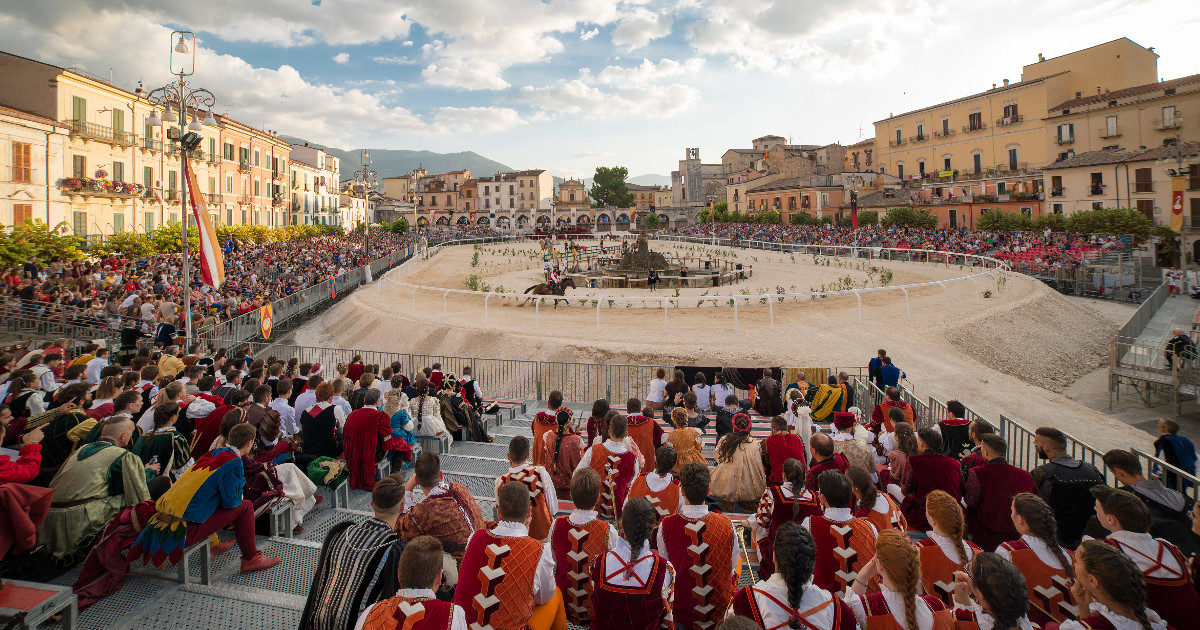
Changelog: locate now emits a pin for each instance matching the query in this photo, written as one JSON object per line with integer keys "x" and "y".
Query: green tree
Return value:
{"x": 907, "y": 217}
{"x": 1111, "y": 221}
{"x": 609, "y": 187}
{"x": 650, "y": 222}
{"x": 720, "y": 208}
{"x": 399, "y": 226}
{"x": 804, "y": 218}
{"x": 997, "y": 219}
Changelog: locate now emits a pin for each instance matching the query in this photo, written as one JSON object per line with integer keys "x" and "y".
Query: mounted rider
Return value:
{"x": 552, "y": 278}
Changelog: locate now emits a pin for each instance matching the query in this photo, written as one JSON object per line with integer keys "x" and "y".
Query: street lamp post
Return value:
{"x": 367, "y": 178}
{"x": 1179, "y": 171}
{"x": 179, "y": 94}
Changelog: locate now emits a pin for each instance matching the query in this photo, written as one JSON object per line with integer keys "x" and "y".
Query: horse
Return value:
{"x": 544, "y": 289}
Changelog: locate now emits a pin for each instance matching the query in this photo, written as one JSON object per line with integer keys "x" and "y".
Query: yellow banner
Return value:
{"x": 266, "y": 316}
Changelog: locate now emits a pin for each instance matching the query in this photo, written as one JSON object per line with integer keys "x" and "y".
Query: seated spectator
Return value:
{"x": 739, "y": 478}
{"x": 512, "y": 591}
{"x": 768, "y": 398}
{"x": 899, "y": 602}
{"x": 705, "y": 583}
{"x": 780, "y": 446}
{"x": 990, "y": 489}
{"x": 321, "y": 426}
{"x": 643, "y": 430}
{"x": 445, "y": 510}
{"x": 91, "y": 487}
{"x": 798, "y": 416}
{"x": 845, "y": 543}
{"x": 788, "y": 598}
{"x": 615, "y": 463}
{"x": 164, "y": 445}
{"x": 787, "y": 502}
{"x": 659, "y": 486}
{"x": 877, "y": 507}
{"x": 268, "y": 424}
{"x": 880, "y": 421}
{"x": 976, "y": 430}
{"x": 724, "y": 416}
{"x": 828, "y": 401}
{"x": 925, "y": 472}
{"x": 694, "y": 417}
{"x": 206, "y": 499}
{"x": 1065, "y": 483}
{"x": 1169, "y": 588}
{"x": 1111, "y": 591}
{"x": 824, "y": 457}
{"x": 542, "y": 496}
{"x": 562, "y": 449}
{"x": 545, "y": 421}
{"x": 634, "y": 583}
{"x": 578, "y": 539}
{"x": 955, "y": 430}
{"x": 945, "y": 550}
{"x": 1044, "y": 563}
{"x": 415, "y": 605}
{"x": 426, "y": 412}
{"x": 1170, "y": 519}
{"x": 991, "y": 593}
{"x": 600, "y": 409}
{"x": 849, "y": 445}
{"x": 358, "y": 564}
{"x": 684, "y": 440}
{"x": 29, "y": 460}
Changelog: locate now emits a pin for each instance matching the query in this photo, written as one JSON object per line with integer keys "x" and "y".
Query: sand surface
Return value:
{"x": 1010, "y": 353}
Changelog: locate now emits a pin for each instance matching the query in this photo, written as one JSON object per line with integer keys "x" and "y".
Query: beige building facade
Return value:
{"x": 32, "y": 153}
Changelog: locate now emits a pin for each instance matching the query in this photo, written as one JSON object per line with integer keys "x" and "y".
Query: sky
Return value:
{"x": 568, "y": 85}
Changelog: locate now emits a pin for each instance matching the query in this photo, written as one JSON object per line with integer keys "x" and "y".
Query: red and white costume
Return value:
{"x": 543, "y": 498}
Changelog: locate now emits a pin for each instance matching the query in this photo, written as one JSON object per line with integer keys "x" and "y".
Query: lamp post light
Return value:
{"x": 367, "y": 178}
{"x": 180, "y": 94}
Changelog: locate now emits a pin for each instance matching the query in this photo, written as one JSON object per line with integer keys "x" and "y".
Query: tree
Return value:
{"x": 907, "y": 217}
{"x": 399, "y": 226}
{"x": 609, "y": 188}
{"x": 720, "y": 208}
{"x": 650, "y": 222}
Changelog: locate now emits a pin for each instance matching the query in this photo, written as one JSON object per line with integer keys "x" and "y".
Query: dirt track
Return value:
{"x": 997, "y": 355}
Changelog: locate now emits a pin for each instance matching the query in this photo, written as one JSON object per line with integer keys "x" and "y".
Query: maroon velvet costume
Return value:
{"x": 780, "y": 448}
{"x": 924, "y": 473}
{"x": 990, "y": 491}
{"x": 624, "y": 607}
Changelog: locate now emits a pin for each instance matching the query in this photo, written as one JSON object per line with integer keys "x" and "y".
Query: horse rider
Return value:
{"x": 552, "y": 279}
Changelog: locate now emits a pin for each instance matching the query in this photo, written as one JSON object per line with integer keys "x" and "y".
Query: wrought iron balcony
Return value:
{"x": 92, "y": 131}
{"x": 244, "y": 167}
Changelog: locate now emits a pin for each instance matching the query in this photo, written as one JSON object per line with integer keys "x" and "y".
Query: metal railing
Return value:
{"x": 99, "y": 132}
{"x": 1142, "y": 316}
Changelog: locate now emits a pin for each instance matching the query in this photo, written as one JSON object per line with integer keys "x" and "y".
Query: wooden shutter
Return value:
{"x": 22, "y": 171}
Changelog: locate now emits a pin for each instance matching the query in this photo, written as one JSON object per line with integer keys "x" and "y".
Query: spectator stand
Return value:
{"x": 1136, "y": 358}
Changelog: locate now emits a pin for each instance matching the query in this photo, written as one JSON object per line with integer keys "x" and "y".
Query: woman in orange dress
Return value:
{"x": 873, "y": 505}
{"x": 685, "y": 439}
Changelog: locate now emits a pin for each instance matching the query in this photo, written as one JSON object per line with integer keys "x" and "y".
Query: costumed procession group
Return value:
{"x": 856, "y": 520}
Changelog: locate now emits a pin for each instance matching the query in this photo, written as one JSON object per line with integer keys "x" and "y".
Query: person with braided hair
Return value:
{"x": 945, "y": 551}
{"x": 616, "y": 464}
{"x": 781, "y": 504}
{"x": 633, "y": 584}
{"x": 1045, "y": 564}
{"x": 685, "y": 439}
{"x": 783, "y": 444}
{"x": 875, "y": 506}
{"x": 1110, "y": 591}
{"x": 990, "y": 597}
{"x": 545, "y": 422}
{"x": 788, "y": 599}
{"x": 898, "y": 605}
{"x": 659, "y": 486}
{"x": 562, "y": 449}
{"x": 739, "y": 477}
{"x": 1169, "y": 587}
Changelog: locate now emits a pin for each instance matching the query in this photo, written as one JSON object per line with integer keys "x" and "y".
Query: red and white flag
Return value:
{"x": 212, "y": 263}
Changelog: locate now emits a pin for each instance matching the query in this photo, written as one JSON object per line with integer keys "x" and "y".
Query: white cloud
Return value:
{"x": 468, "y": 120}
{"x": 342, "y": 58}
{"x": 592, "y": 155}
{"x": 639, "y": 27}
{"x": 586, "y": 35}
{"x": 395, "y": 60}
{"x": 649, "y": 71}
{"x": 580, "y": 97}
{"x": 407, "y": 44}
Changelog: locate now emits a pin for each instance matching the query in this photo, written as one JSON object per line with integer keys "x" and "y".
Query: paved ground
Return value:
{"x": 1176, "y": 312}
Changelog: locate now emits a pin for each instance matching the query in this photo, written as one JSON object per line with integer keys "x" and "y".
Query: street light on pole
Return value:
{"x": 367, "y": 178}
{"x": 186, "y": 98}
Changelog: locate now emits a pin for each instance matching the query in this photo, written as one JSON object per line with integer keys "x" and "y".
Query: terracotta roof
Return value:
{"x": 1121, "y": 156}
{"x": 1165, "y": 152}
{"x": 1127, "y": 92}
{"x": 881, "y": 199}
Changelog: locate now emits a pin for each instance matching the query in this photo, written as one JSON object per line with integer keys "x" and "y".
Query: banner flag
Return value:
{"x": 212, "y": 263}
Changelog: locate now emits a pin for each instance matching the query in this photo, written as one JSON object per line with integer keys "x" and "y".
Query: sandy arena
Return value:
{"x": 1012, "y": 352}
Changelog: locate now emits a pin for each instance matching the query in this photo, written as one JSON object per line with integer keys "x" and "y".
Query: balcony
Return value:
{"x": 918, "y": 138}
{"x": 295, "y": 206}
{"x": 172, "y": 196}
{"x": 1096, "y": 189}
{"x": 88, "y": 187}
{"x": 150, "y": 144}
{"x": 212, "y": 198}
{"x": 1167, "y": 125}
{"x": 896, "y": 143}
{"x": 277, "y": 200}
{"x": 214, "y": 160}
{"x": 245, "y": 198}
{"x": 244, "y": 167}
{"x": 92, "y": 131}
{"x": 943, "y": 134}
{"x": 1056, "y": 191}
{"x": 1009, "y": 120}
{"x": 275, "y": 175}
{"x": 974, "y": 127}
{"x": 1110, "y": 133}
{"x": 1067, "y": 139}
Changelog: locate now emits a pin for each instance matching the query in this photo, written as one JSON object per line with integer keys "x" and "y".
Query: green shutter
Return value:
{"x": 171, "y": 179}
{"x": 118, "y": 174}
{"x": 147, "y": 176}
{"x": 118, "y": 116}
{"x": 79, "y": 223}
{"x": 78, "y": 109}
{"x": 119, "y": 222}
{"x": 79, "y": 166}
{"x": 149, "y": 222}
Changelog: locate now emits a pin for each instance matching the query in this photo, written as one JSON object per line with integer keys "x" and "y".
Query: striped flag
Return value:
{"x": 212, "y": 263}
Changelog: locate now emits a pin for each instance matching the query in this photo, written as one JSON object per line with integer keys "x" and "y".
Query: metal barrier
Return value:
{"x": 1142, "y": 316}
{"x": 1182, "y": 482}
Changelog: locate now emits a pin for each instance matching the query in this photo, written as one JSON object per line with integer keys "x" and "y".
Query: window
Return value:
{"x": 228, "y": 151}
{"x": 212, "y": 148}
{"x": 521, "y": 183}
{"x": 1110, "y": 126}
{"x": 487, "y": 190}
{"x": 868, "y": 152}
{"x": 119, "y": 222}
{"x": 899, "y": 139}
{"x": 921, "y": 167}
{"x": 171, "y": 178}
{"x": 945, "y": 163}
{"x": 1013, "y": 164}
{"x": 229, "y": 183}
{"x": 975, "y": 121}
{"x": 256, "y": 157}
{"x": 512, "y": 189}
{"x": 900, "y": 171}
{"x": 212, "y": 185}
{"x": 1001, "y": 188}
{"x": 1056, "y": 208}
{"x": 79, "y": 223}
{"x": 78, "y": 109}
{"x": 78, "y": 166}
{"x": 256, "y": 190}
{"x": 1146, "y": 207}
{"x": 1066, "y": 133}
{"x": 1142, "y": 180}
{"x": 148, "y": 222}
{"x": 1168, "y": 116}
{"x": 148, "y": 176}
{"x": 118, "y": 119}
{"x": 1010, "y": 112}
{"x": 118, "y": 174}
{"x": 1056, "y": 186}
{"x": 22, "y": 172}
{"x": 977, "y": 162}
{"x": 1097, "y": 185}
{"x": 920, "y": 132}
{"x": 945, "y": 126}
{"x": 22, "y": 212}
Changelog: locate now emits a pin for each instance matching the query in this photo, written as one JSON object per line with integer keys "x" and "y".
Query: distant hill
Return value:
{"x": 651, "y": 180}
{"x": 391, "y": 162}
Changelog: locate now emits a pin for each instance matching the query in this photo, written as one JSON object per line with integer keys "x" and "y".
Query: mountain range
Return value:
{"x": 391, "y": 162}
